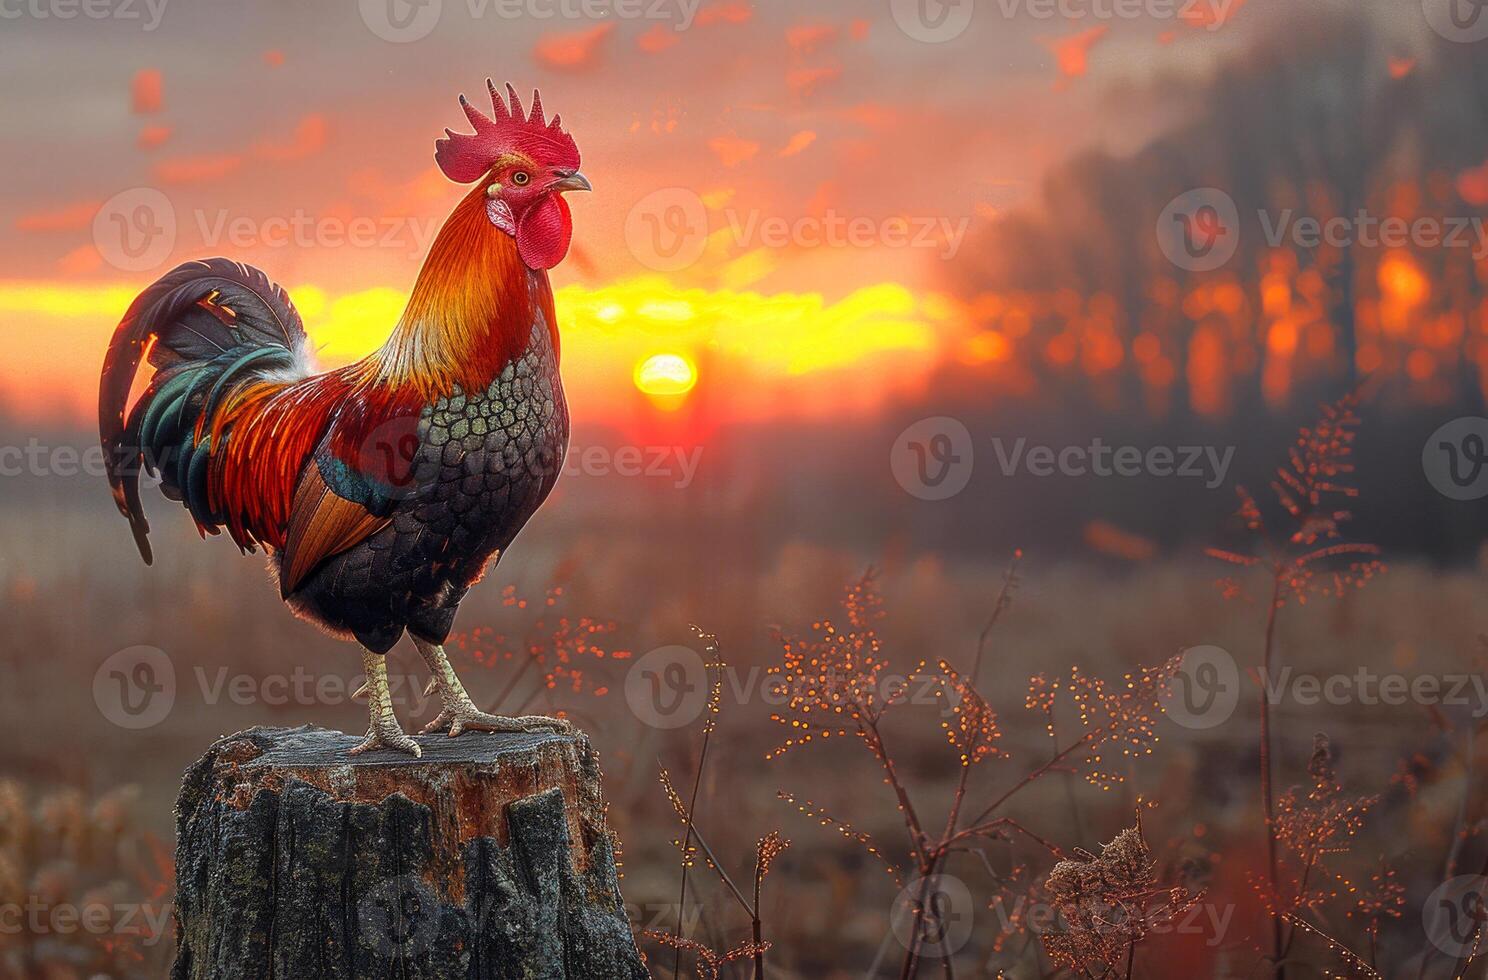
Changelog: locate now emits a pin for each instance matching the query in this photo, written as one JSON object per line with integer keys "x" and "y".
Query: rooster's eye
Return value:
{"x": 520, "y": 178}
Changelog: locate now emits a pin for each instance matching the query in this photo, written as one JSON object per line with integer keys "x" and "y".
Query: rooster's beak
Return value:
{"x": 571, "y": 182}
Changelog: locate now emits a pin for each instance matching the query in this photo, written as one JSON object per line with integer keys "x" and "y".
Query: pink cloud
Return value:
{"x": 726, "y": 11}
{"x": 427, "y": 189}
{"x": 194, "y": 169}
{"x": 80, "y": 261}
{"x": 823, "y": 199}
{"x": 874, "y": 115}
{"x": 73, "y": 217}
{"x": 153, "y": 137}
{"x": 804, "y": 81}
{"x": 797, "y": 143}
{"x": 572, "y": 51}
{"x": 806, "y": 38}
{"x": 308, "y": 139}
{"x": 657, "y": 39}
{"x": 733, "y": 150}
{"x": 147, "y": 91}
{"x": 1072, "y": 53}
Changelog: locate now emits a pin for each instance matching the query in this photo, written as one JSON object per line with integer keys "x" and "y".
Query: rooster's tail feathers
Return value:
{"x": 208, "y": 327}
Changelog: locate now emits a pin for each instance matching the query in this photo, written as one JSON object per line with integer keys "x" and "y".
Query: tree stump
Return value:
{"x": 487, "y": 859}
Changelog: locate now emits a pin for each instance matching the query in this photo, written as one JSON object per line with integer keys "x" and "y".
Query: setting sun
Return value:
{"x": 665, "y": 375}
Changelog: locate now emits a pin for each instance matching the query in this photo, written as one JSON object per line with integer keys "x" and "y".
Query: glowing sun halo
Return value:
{"x": 665, "y": 374}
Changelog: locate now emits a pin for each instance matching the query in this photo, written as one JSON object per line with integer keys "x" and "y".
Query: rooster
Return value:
{"x": 381, "y": 491}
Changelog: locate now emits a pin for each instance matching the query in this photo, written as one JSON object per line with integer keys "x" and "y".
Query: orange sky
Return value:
{"x": 778, "y": 195}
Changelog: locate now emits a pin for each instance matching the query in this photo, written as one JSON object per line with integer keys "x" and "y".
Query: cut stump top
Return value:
{"x": 308, "y": 746}
{"x": 466, "y": 782}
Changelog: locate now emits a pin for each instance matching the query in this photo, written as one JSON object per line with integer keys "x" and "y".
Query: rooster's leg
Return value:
{"x": 460, "y": 713}
{"x": 383, "y": 732}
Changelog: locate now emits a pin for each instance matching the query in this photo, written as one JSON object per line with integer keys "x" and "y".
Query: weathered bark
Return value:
{"x": 487, "y": 859}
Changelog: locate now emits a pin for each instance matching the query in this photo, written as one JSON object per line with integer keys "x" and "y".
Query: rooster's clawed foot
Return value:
{"x": 388, "y": 737}
{"x": 459, "y": 713}
{"x": 383, "y": 730}
{"x": 468, "y": 717}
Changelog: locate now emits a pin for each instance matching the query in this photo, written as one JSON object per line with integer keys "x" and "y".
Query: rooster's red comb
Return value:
{"x": 466, "y": 158}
